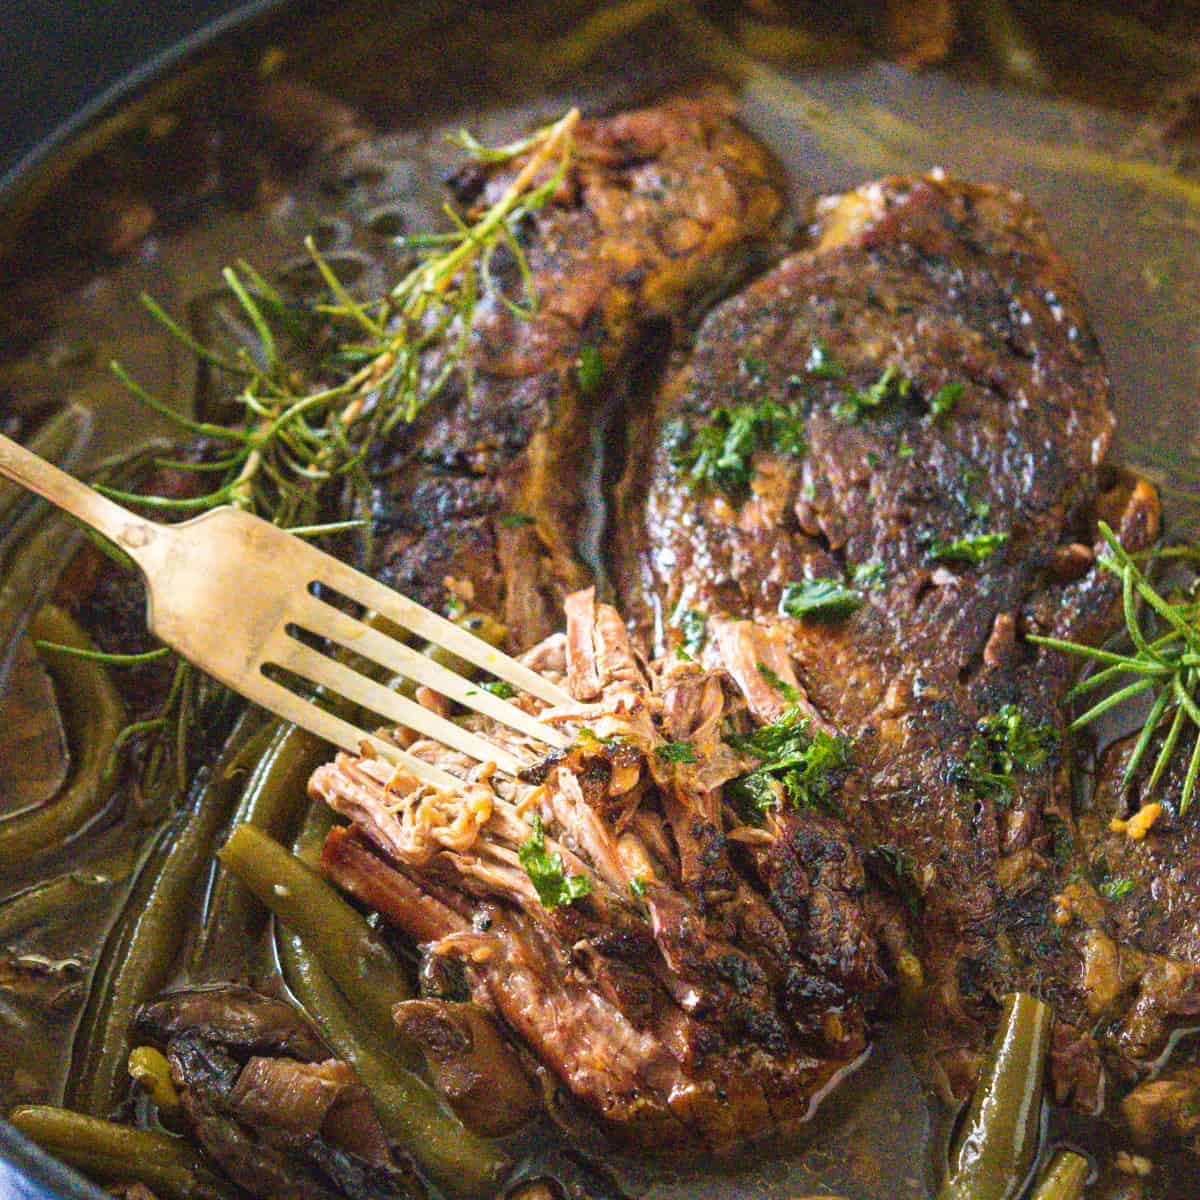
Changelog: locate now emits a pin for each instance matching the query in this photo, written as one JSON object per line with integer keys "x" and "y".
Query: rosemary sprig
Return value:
{"x": 303, "y": 429}
{"x": 1163, "y": 664}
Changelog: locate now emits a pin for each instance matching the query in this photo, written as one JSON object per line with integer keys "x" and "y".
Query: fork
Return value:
{"x": 238, "y": 597}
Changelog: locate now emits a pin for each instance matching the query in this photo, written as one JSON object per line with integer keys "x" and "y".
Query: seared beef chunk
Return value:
{"x": 658, "y": 208}
{"x": 914, "y": 409}
{"x": 266, "y": 1101}
{"x": 686, "y": 972}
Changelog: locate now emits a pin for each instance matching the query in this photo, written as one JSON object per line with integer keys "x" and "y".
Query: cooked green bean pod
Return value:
{"x": 275, "y": 796}
{"x": 997, "y": 1145}
{"x": 409, "y": 1110}
{"x": 94, "y": 716}
{"x": 170, "y": 1166}
{"x": 141, "y": 949}
{"x": 481, "y": 624}
{"x": 1065, "y": 1178}
{"x": 56, "y": 899}
{"x": 353, "y": 953}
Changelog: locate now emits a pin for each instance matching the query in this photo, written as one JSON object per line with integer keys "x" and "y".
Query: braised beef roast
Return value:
{"x": 483, "y": 493}
{"x": 824, "y": 761}
{"x": 947, "y": 417}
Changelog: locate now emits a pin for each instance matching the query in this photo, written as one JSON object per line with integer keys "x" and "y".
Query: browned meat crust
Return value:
{"x": 713, "y": 979}
{"x": 948, "y": 285}
{"x": 660, "y": 208}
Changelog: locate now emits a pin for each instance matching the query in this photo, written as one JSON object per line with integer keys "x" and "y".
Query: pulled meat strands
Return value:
{"x": 715, "y": 1003}
{"x": 659, "y": 207}
{"x": 947, "y": 420}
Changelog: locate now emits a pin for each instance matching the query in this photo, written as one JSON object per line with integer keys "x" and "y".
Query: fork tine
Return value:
{"x": 291, "y": 707}
{"x": 419, "y": 620}
{"x": 360, "y": 638}
{"x": 340, "y": 679}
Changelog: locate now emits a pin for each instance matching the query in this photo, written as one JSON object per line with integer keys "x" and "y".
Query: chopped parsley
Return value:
{"x": 821, "y": 363}
{"x": 718, "y": 454}
{"x": 820, "y": 599}
{"x": 693, "y": 630}
{"x": 589, "y": 369}
{"x": 790, "y": 694}
{"x": 547, "y": 873}
{"x": 637, "y": 886}
{"x": 797, "y": 767}
{"x": 904, "y": 874}
{"x": 903, "y": 449}
{"x": 677, "y": 752}
{"x": 1003, "y": 744}
{"x": 754, "y": 367}
{"x": 973, "y": 548}
{"x": 498, "y": 687}
{"x": 1115, "y": 887}
{"x": 891, "y": 385}
{"x": 869, "y": 574}
{"x": 944, "y": 399}
{"x": 515, "y": 520}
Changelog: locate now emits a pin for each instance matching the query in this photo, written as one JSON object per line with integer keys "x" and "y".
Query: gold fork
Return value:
{"x": 234, "y": 595}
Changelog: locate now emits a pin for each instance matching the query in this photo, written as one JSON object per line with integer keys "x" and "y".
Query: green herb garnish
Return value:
{"x": 719, "y": 453}
{"x": 891, "y": 385}
{"x": 1164, "y": 662}
{"x": 821, "y": 364}
{"x": 820, "y": 599}
{"x": 1003, "y": 744}
{"x": 790, "y": 694}
{"x": 1115, "y": 887}
{"x": 869, "y": 574}
{"x": 302, "y": 423}
{"x": 903, "y": 449}
{"x": 971, "y": 548}
{"x": 798, "y": 767}
{"x": 904, "y": 874}
{"x": 693, "y": 630}
{"x": 944, "y": 399}
{"x": 515, "y": 520}
{"x": 676, "y": 752}
{"x": 589, "y": 369}
{"x": 547, "y": 873}
{"x": 499, "y": 687}
{"x": 637, "y": 886}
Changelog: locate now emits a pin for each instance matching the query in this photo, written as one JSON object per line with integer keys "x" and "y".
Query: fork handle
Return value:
{"x": 133, "y": 534}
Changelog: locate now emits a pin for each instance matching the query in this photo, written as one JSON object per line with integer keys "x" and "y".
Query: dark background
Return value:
{"x": 56, "y": 56}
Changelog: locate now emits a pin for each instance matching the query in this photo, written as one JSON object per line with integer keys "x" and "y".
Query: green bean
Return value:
{"x": 61, "y": 439}
{"x": 353, "y": 953}
{"x": 481, "y": 624}
{"x": 461, "y": 1162}
{"x": 95, "y": 715}
{"x": 141, "y": 949}
{"x": 59, "y": 898}
{"x": 997, "y": 1145}
{"x": 275, "y": 794}
{"x": 171, "y": 1166}
{"x": 1065, "y": 1177}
